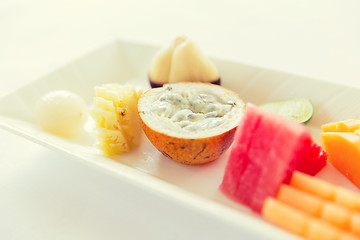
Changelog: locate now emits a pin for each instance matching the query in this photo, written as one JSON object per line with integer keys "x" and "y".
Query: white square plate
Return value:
{"x": 193, "y": 186}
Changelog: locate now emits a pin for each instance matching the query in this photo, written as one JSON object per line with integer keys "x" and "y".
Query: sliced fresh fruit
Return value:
{"x": 303, "y": 201}
{"x": 313, "y": 185}
{"x": 298, "y": 109}
{"x": 61, "y": 112}
{"x": 332, "y": 212}
{"x": 337, "y": 215}
{"x": 329, "y": 213}
{"x": 349, "y": 125}
{"x": 326, "y": 190}
{"x": 266, "y": 150}
{"x": 285, "y": 216}
{"x": 302, "y": 224}
{"x": 310, "y": 164}
{"x": 191, "y": 123}
{"x": 181, "y": 61}
{"x": 341, "y": 140}
{"x": 344, "y": 153}
{"x": 116, "y": 118}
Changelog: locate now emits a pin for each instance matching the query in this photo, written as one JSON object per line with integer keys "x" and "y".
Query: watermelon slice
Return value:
{"x": 266, "y": 150}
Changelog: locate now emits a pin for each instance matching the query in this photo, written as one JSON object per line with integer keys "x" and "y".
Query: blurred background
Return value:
{"x": 315, "y": 38}
{"x": 44, "y": 195}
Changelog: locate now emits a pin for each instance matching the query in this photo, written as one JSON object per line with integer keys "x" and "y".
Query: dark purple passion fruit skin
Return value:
{"x": 154, "y": 84}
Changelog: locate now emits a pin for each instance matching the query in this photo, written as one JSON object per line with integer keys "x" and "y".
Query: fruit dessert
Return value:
{"x": 116, "y": 118}
{"x": 181, "y": 61}
{"x": 315, "y": 209}
{"x": 61, "y": 112}
{"x": 191, "y": 123}
{"x": 267, "y": 149}
{"x": 341, "y": 140}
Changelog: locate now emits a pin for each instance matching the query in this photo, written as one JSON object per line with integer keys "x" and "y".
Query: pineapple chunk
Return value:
{"x": 104, "y": 104}
{"x": 105, "y": 119}
{"x": 116, "y": 117}
{"x": 112, "y": 142}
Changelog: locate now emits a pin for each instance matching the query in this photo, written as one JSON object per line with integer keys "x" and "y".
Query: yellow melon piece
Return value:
{"x": 343, "y": 126}
{"x": 341, "y": 140}
{"x": 357, "y": 132}
{"x": 343, "y": 150}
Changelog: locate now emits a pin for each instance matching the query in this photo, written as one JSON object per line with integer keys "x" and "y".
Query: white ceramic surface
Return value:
{"x": 195, "y": 187}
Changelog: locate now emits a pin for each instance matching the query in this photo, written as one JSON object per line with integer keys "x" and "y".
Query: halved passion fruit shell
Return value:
{"x": 182, "y": 61}
{"x": 191, "y": 123}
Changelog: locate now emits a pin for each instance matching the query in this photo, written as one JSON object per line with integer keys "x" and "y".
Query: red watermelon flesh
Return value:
{"x": 314, "y": 161}
{"x": 266, "y": 150}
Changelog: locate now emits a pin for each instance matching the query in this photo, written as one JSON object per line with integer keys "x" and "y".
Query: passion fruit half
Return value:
{"x": 191, "y": 123}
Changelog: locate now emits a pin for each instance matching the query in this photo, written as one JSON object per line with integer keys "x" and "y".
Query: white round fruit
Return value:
{"x": 61, "y": 112}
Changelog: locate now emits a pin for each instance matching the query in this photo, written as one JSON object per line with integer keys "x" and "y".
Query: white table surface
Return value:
{"x": 45, "y": 195}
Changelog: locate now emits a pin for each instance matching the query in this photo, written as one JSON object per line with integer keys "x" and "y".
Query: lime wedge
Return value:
{"x": 297, "y": 109}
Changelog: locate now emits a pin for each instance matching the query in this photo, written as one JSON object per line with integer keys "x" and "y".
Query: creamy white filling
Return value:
{"x": 191, "y": 110}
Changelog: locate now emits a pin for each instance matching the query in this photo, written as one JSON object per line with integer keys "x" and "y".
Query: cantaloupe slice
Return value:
{"x": 321, "y": 230}
{"x": 349, "y": 236}
{"x": 326, "y": 190}
{"x": 336, "y": 214}
{"x": 355, "y": 223}
{"x": 343, "y": 150}
{"x": 315, "y": 209}
{"x": 313, "y": 185}
{"x": 285, "y": 216}
{"x": 347, "y": 198}
{"x": 316, "y": 206}
{"x": 303, "y": 201}
{"x": 300, "y": 223}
